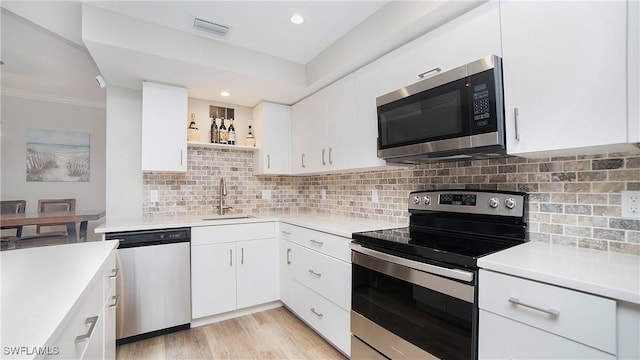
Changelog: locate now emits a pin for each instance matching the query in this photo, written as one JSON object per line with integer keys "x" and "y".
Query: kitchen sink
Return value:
{"x": 226, "y": 217}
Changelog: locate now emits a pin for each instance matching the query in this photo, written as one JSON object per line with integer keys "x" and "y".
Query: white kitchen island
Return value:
{"x": 48, "y": 295}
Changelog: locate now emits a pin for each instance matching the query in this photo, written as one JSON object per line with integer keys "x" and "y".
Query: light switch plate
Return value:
{"x": 153, "y": 195}
{"x": 374, "y": 196}
{"x": 323, "y": 194}
{"x": 266, "y": 194}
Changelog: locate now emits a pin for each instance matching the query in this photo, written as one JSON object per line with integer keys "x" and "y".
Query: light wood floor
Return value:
{"x": 272, "y": 334}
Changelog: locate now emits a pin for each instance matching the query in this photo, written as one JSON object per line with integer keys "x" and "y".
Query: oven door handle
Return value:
{"x": 432, "y": 269}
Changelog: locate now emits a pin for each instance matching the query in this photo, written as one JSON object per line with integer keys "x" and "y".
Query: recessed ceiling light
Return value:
{"x": 225, "y": 93}
{"x": 297, "y": 19}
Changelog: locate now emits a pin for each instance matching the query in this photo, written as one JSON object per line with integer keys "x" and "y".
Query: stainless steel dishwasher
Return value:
{"x": 154, "y": 286}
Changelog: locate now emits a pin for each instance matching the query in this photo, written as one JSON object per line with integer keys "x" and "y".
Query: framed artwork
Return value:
{"x": 54, "y": 155}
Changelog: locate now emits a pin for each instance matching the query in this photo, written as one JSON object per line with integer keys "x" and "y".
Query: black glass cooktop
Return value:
{"x": 434, "y": 246}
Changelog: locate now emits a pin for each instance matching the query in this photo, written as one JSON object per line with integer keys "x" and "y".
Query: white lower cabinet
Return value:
{"x": 232, "y": 267}
{"x": 89, "y": 332}
{"x": 522, "y": 318}
{"x": 315, "y": 281}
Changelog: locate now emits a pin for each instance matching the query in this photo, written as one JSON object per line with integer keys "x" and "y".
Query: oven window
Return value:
{"x": 437, "y": 323}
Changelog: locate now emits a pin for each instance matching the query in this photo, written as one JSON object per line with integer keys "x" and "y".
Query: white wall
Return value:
{"x": 20, "y": 114}
{"x": 124, "y": 134}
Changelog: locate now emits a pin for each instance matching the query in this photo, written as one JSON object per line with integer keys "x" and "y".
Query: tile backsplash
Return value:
{"x": 573, "y": 200}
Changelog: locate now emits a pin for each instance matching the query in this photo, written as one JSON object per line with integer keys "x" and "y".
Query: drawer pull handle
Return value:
{"x": 114, "y": 273}
{"x": 285, "y": 232}
{"x": 318, "y": 275}
{"x": 551, "y": 312}
{"x": 313, "y": 310}
{"x": 116, "y": 302}
{"x": 91, "y": 320}
{"x": 288, "y": 256}
{"x": 316, "y": 242}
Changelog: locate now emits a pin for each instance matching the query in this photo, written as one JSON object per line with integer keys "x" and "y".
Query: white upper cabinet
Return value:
{"x": 339, "y": 148}
{"x": 565, "y": 76}
{"x": 272, "y": 129}
{"x": 368, "y": 86}
{"x": 466, "y": 38}
{"x": 164, "y": 129}
{"x": 299, "y": 136}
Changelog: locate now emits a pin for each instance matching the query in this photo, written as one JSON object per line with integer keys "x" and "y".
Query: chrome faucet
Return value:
{"x": 223, "y": 193}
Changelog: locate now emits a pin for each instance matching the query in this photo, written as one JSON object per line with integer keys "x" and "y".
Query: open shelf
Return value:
{"x": 223, "y": 146}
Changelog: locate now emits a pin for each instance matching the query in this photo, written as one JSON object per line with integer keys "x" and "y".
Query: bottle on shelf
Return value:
{"x": 250, "y": 140}
{"x": 222, "y": 130}
{"x": 214, "y": 131}
{"x": 193, "y": 134}
{"x": 231, "y": 139}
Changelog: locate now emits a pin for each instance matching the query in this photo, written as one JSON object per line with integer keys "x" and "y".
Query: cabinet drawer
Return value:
{"x": 216, "y": 234}
{"x": 332, "y": 245}
{"x": 534, "y": 303}
{"x": 325, "y": 275}
{"x": 328, "y": 319}
{"x": 85, "y": 320}
{"x": 502, "y": 338}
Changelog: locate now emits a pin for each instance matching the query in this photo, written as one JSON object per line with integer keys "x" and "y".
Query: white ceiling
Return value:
{"x": 264, "y": 56}
{"x": 262, "y": 26}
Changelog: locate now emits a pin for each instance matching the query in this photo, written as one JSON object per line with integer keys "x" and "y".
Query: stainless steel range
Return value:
{"x": 414, "y": 289}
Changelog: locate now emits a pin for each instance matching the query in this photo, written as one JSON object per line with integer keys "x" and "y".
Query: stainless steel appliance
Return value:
{"x": 455, "y": 114}
{"x": 414, "y": 289}
{"x": 155, "y": 283}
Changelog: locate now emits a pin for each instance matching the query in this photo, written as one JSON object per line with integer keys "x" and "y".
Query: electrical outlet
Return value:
{"x": 323, "y": 194}
{"x": 631, "y": 204}
{"x": 374, "y": 196}
{"x": 266, "y": 194}
{"x": 153, "y": 196}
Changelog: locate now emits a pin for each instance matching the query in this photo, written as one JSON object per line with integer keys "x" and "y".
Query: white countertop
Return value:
{"x": 329, "y": 223}
{"x": 608, "y": 274}
{"x": 41, "y": 286}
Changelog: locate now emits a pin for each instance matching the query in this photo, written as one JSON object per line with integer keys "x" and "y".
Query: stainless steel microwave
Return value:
{"x": 452, "y": 115}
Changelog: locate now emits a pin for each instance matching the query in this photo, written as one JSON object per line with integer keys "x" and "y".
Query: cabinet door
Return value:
{"x": 272, "y": 131}
{"x": 287, "y": 254}
{"x": 340, "y": 145}
{"x": 368, "y": 86}
{"x": 316, "y": 159}
{"x": 213, "y": 279}
{"x": 299, "y": 158}
{"x": 466, "y": 38}
{"x": 257, "y": 272}
{"x": 164, "y": 127}
{"x": 564, "y": 66}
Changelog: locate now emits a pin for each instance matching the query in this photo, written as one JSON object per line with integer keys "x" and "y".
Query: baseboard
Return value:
{"x": 234, "y": 314}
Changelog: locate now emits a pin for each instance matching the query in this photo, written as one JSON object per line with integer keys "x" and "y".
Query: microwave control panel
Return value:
{"x": 481, "y": 105}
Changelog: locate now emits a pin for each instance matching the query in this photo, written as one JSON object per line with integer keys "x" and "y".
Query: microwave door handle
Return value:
{"x": 424, "y": 74}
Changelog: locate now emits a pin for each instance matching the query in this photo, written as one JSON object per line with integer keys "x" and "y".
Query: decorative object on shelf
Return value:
{"x": 213, "y": 133}
{"x": 193, "y": 134}
{"x": 250, "y": 140}
{"x": 222, "y": 130}
{"x": 231, "y": 139}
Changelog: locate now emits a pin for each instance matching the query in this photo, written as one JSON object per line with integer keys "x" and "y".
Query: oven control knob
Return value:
{"x": 416, "y": 200}
{"x": 510, "y": 203}
{"x": 494, "y": 202}
{"x": 426, "y": 200}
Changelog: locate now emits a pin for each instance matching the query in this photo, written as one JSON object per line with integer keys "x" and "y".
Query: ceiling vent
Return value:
{"x": 210, "y": 28}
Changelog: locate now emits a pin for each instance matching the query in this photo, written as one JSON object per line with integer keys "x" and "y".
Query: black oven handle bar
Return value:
{"x": 426, "y": 275}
